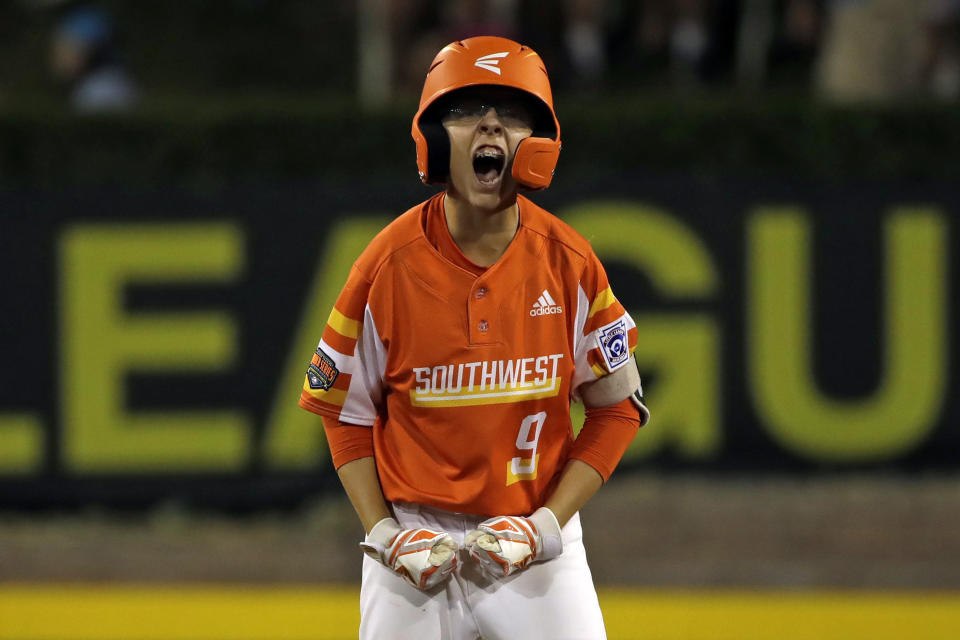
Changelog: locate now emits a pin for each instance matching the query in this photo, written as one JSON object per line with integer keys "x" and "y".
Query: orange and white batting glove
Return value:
{"x": 422, "y": 557}
{"x": 505, "y": 544}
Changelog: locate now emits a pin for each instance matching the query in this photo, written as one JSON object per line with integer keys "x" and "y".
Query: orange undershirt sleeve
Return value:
{"x": 606, "y": 434}
{"x": 347, "y": 442}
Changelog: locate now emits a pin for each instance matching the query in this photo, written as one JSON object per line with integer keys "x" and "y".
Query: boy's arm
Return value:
{"x": 360, "y": 481}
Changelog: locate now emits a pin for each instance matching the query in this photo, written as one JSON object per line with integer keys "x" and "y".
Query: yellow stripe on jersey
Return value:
{"x": 509, "y": 393}
{"x": 598, "y": 370}
{"x": 343, "y": 325}
{"x": 603, "y": 301}
{"x": 330, "y": 396}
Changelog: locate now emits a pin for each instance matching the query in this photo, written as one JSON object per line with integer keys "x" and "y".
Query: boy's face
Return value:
{"x": 485, "y": 127}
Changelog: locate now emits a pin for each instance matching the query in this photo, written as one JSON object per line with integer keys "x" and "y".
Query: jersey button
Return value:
{"x": 483, "y": 325}
{"x": 481, "y": 292}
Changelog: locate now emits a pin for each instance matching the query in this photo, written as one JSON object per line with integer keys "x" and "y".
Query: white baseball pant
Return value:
{"x": 552, "y": 600}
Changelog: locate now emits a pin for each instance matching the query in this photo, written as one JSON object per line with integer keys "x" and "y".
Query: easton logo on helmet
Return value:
{"x": 491, "y": 62}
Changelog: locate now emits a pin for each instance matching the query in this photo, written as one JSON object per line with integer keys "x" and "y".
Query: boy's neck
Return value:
{"x": 481, "y": 234}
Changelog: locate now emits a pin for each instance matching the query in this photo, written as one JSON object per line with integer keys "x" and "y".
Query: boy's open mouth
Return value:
{"x": 488, "y": 163}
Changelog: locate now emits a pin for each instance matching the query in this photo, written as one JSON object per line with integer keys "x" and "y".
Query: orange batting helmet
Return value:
{"x": 488, "y": 60}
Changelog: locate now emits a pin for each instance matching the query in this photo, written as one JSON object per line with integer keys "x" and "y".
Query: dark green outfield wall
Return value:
{"x": 166, "y": 279}
{"x": 260, "y": 139}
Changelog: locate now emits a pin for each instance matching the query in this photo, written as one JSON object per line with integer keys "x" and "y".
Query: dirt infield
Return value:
{"x": 835, "y": 532}
{"x": 647, "y": 530}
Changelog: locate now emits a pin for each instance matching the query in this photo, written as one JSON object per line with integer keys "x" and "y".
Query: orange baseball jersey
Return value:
{"x": 467, "y": 379}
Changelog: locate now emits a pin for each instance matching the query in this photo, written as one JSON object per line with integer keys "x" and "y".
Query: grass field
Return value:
{"x": 190, "y": 612}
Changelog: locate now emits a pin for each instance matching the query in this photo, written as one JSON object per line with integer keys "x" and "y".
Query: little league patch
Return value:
{"x": 613, "y": 344}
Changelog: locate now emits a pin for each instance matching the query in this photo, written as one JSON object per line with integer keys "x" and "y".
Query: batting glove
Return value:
{"x": 422, "y": 557}
{"x": 506, "y": 544}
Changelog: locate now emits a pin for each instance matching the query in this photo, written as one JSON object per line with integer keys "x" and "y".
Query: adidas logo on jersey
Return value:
{"x": 545, "y": 306}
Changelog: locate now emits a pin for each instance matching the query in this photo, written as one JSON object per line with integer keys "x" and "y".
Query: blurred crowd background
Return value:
{"x": 118, "y": 54}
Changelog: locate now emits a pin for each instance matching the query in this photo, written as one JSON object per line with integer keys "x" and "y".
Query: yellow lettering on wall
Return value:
{"x": 683, "y": 349}
{"x": 101, "y": 342}
{"x": 294, "y": 437}
{"x": 904, "y": 408}
{"x": 21, "y": 443}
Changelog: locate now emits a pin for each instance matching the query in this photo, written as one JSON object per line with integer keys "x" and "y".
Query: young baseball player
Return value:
{"x": 448, "y": 364}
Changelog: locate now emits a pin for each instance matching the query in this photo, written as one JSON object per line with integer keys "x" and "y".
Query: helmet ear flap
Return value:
{"x": 534, "y": 162}
{"x": 433, "y": 150}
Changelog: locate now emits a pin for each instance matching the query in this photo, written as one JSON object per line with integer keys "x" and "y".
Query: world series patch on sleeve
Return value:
{"x": 322, "y": 372}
